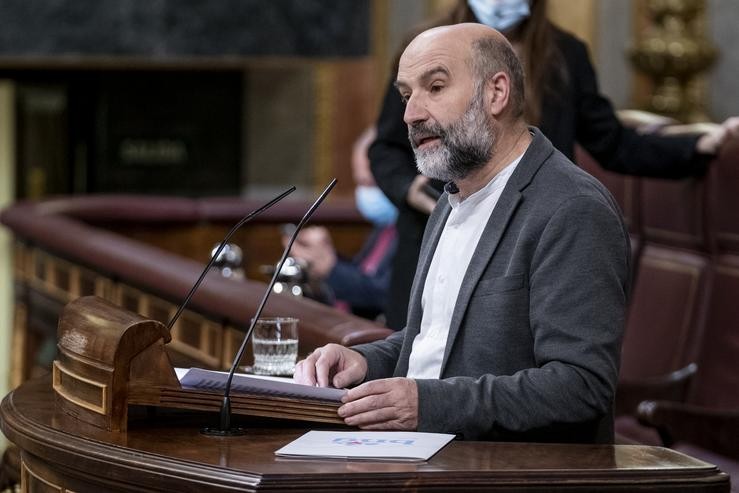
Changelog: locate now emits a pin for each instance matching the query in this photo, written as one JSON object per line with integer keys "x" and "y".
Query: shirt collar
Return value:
{"x": 496, "y": 182}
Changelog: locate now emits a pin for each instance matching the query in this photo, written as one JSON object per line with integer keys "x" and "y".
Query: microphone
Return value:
{"x": 224, "y": 428}
{"x": 215, "y": 255}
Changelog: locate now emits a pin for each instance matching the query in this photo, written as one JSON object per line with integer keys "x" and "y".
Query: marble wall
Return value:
{"x": 165, "y": 28}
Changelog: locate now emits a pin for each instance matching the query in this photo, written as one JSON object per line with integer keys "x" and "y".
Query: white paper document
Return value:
{"x": 366, "y": 445}
{"x": 255, "y": 384}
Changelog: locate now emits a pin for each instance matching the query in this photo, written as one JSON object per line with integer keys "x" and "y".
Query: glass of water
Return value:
{"x": 275, "y": 344}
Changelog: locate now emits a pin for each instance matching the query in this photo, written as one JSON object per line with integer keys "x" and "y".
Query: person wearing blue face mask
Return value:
{"x": 359, "y": 284}
{"x": 374, "y": 206}
{"x": 501, "y": 15}
{"x": 562, "y": 100}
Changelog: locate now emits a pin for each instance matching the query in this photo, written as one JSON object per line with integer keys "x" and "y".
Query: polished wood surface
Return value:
{"x": 103, "y": 350}
{"x": 110, "y": 358}
{"x": 165, "y": 452}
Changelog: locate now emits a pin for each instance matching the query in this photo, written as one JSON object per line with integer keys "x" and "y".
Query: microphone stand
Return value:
{"x": 213, "y": 258}
{"x": 224, "y": 428}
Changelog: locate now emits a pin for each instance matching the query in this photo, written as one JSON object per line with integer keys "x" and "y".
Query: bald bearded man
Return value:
{"x": 517, "y": 308}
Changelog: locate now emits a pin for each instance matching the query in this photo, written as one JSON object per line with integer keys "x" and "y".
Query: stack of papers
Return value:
{"x": 199, "y": 378}
{"x": 366, "y": 445}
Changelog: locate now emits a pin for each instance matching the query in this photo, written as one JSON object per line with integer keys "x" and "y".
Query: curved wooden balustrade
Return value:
{"x": 65, "y": 250}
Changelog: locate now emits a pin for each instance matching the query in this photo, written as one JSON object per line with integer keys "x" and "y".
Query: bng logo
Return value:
{"x": 405, "y": 442}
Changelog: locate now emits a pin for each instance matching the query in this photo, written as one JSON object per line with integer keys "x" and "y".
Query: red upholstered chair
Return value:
{"x": 664, "y": 322}
{"x": 723, "y": 200}
{"x": 668, "y": 303}
{"x": 664, "y": 327}
{"x": 625, "y": 189}
{"x": 673, "y": 212}
{"x": 681, "y": 349}
{"x": 669, "y": 292}
{"x": 707, "y": 425}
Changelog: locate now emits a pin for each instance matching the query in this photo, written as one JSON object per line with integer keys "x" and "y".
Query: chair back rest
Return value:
{"x": 665, "y": 316}
{"x": 716, "y": 384}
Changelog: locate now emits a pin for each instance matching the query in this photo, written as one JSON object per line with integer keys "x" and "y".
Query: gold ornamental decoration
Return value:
{"x": 674, "y": 52}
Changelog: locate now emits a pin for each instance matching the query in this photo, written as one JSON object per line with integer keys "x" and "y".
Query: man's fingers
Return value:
{"x": 300, "y": 376}
{"x": 369, "y": 388}
{"x": 305, "y": 372}
{"x": 732, "y": 126}
{"x": 363, "y": 405}
{"x": 324, "y": 363}
{"x": 380, "y": 417}
{"x": 385, "y": 418}
{"x": 343, "y": 379}
{"x": 417, "y": 199}
{"x": 382, "y": 404}
{"x": 331, "y": 364}
{"x": 353, "y": 373}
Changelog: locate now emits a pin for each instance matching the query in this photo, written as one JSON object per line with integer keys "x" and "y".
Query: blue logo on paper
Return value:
{"x": 373, "y": 441}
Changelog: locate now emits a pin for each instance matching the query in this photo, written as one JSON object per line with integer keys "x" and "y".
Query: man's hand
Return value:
{"x": 387, "y": 404}
{"x": 711, "y": 142}
{"x": 333, "y": 365}
{"x": 314, "y": 246}
{"x": 417, "y": 198}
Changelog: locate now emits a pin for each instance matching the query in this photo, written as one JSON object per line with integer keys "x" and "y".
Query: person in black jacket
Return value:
{"x": 562, "y": 99}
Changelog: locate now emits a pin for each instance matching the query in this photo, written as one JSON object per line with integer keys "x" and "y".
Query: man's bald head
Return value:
{"x": 463, "y": 33}
{"x": 485, "y": 50}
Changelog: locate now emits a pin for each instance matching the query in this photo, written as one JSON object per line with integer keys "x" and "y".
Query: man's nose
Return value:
{"x": 415, "y": 111}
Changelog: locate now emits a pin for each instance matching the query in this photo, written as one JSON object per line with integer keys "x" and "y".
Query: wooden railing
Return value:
{"x": 62, "y": 252}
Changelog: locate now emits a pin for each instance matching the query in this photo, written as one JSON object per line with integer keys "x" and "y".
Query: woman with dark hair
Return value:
{"x": 562, "y": 99}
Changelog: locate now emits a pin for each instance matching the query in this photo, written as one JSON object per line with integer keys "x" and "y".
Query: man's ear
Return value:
{"x": 498, "y": 91}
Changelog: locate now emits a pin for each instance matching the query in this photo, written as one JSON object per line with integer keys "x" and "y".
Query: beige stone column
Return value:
{"x": 7, "y": 190}
{"x": 578, "y": 17}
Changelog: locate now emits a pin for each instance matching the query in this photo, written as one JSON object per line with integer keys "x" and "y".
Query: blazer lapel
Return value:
{"x": 538, "y": 151}
{"x": 489, "y": 240}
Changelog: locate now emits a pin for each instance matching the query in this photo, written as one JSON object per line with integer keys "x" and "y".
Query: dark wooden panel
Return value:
{"x": 171, "y": 133}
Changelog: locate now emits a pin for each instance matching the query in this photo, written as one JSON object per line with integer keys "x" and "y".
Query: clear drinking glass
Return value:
{"x": 275, "y": 344}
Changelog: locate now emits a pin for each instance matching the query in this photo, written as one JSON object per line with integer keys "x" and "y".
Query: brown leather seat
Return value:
{"x": 664, "y": 326}
{"x": 709, "y": 419}
{"x": 673, "y": 212}
{"x": 706, "y": 425}
{"x": 625, "y": 189}
{"x": 662, "y": 335}
{"x": 723, "y": 200}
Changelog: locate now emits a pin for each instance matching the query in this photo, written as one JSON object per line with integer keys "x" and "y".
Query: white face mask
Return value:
{"x": 501, "y": 15}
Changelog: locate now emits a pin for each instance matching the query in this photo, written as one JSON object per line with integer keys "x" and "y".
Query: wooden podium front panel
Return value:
{"x": 167, "y": 453}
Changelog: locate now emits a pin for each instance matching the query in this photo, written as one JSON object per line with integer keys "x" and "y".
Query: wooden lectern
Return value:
{"x": 110, "y": 358}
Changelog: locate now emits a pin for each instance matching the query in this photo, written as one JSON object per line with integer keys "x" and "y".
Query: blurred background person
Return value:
{"x": 359, "y": 285}
{"x": 562, "y": 99}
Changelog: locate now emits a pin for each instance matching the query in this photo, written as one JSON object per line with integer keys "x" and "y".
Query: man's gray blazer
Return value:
{"x": 534, "y": 342}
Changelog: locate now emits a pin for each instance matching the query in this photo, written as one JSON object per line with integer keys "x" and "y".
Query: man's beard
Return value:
{"x": 465, "y": 145}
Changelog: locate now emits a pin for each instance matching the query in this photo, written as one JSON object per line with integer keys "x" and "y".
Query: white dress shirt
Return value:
{"x": 457, "y": 243}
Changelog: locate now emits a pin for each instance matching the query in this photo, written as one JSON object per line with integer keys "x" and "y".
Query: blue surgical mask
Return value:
{"x": 374, "y": 206}
{"x": 501, "y": 15}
